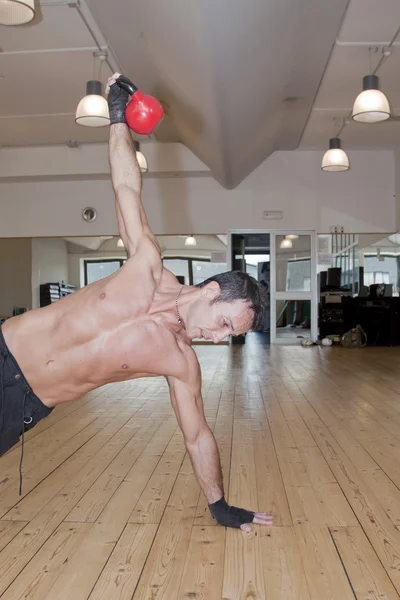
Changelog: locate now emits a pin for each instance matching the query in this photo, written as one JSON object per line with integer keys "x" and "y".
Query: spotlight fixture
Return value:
{"x": 335, "y": 159}
{"x": 371, "y": 105}
{"x": 190, "y": 241}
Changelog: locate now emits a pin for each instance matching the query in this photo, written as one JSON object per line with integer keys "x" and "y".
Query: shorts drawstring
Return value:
{"x": 4, "y": 356}
{"x": 23, "y": 441}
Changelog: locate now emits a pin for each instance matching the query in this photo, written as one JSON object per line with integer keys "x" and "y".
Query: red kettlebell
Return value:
{"x": 143, "y": 113}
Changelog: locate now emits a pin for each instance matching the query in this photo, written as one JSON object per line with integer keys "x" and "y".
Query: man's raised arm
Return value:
{"x": 126, "y": 176}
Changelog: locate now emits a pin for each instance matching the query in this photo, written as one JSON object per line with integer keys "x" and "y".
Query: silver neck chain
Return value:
{"x": 180, "y": 320}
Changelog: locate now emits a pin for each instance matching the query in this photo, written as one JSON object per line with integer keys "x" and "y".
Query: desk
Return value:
{"x": 380, "y": 319}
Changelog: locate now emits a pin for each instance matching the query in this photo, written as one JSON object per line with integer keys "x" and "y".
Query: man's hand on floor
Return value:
{"x": 239, "y": 518}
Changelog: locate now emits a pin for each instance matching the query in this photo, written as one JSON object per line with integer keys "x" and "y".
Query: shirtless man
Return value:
{"x": 138, "y": 322}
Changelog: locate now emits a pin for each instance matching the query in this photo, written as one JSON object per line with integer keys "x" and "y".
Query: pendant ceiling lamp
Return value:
{"x": 335, "y": 159}
{"x": 286, "y": 243}
{"x": 92, "y": 110}
{"x": 371, "y": 105}
{"x": 292, "y": 236}
{"x": 16, "y": 12}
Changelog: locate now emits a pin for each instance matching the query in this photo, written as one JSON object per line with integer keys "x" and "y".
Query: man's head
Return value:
{"x": 228, "y": 304}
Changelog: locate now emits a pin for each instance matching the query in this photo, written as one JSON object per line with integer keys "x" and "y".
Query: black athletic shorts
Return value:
{"x": 20, "y": 408}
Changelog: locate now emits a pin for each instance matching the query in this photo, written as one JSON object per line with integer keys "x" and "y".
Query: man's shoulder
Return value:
{"x": 190, "y": 367}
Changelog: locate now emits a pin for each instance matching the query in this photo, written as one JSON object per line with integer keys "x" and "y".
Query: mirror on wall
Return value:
{"x": 359, "y": 287}
{"x": 359, "y": 263}
{"x": 37, "y": 271}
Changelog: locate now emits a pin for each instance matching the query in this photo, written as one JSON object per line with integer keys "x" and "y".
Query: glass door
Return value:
{"x": 294, "y": 299}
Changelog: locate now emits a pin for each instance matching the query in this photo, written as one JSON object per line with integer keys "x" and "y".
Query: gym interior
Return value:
{"x": 278, "y": 155}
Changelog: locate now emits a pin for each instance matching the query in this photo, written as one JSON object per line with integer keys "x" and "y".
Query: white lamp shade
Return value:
{"x": 16, "y": 12}
{"x": 292, "y": 236}
{"x": 335, "y": 160}
{"x": 142, "y": 161}
{"x": 93, "y": 111}
{"x": 120, "y": 243}
{"x": 371, "y": 106}
{"x": 190, "y": 241}
{"x": 286, "y": 243}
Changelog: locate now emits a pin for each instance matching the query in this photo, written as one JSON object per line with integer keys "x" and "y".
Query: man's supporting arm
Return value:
{"x": 202, "y": 448}
{"x": 199, "y": 439}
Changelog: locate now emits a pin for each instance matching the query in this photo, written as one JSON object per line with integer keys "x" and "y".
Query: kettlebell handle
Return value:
{"x": 126, "y": 85}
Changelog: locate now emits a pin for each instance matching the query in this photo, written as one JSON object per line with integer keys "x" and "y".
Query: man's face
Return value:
{"x": 216, "y": 321}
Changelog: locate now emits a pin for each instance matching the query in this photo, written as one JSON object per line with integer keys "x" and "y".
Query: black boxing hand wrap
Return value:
{"x": 117, "y": 101}
{"x": 230, "y": 516}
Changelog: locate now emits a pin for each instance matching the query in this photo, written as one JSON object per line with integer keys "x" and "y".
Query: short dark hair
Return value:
{"x": 236, "y": 285}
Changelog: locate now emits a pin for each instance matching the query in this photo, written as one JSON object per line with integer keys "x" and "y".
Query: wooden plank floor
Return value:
{"x": 111, "y": 509}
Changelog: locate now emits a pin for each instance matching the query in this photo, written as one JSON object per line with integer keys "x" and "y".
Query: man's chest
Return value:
{"x": 142, "y": 348}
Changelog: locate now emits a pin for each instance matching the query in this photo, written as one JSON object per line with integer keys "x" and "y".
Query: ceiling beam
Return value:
{"x": 91, "y": 161}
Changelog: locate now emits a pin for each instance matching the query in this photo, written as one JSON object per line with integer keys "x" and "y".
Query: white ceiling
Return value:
{"x": 367, "y": 24}
{"x": 238, "y": 79}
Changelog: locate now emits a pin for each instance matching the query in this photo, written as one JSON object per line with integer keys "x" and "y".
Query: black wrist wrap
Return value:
{"x": 230, "y": 516}
{"x": 117, "y": 101}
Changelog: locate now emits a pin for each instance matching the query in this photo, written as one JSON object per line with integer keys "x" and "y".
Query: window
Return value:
{"x": 293, "y": 263}
{"x": 97, "y": 269}
{"x": 298, "y": 276}
{"x": 376, "y": 277}
{"x": 179, "y": 267}
{"x": 193, "y": 270}
{"x": 381, "y": 269}
{"x": 203, "y": 270}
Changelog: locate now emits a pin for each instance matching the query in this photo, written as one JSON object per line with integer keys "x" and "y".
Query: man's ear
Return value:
{"x": 211, "y": 291}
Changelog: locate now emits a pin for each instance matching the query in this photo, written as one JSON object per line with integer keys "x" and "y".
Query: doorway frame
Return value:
{"x": 274, "y": 295}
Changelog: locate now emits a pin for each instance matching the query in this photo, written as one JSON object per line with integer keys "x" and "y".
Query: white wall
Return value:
{"x": 49, "y": 264}
{"x": 362, "y": 200}
{"x": 15, "y": 275}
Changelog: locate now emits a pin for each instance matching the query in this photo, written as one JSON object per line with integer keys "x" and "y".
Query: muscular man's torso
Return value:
{"x": 111, "y": 330}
